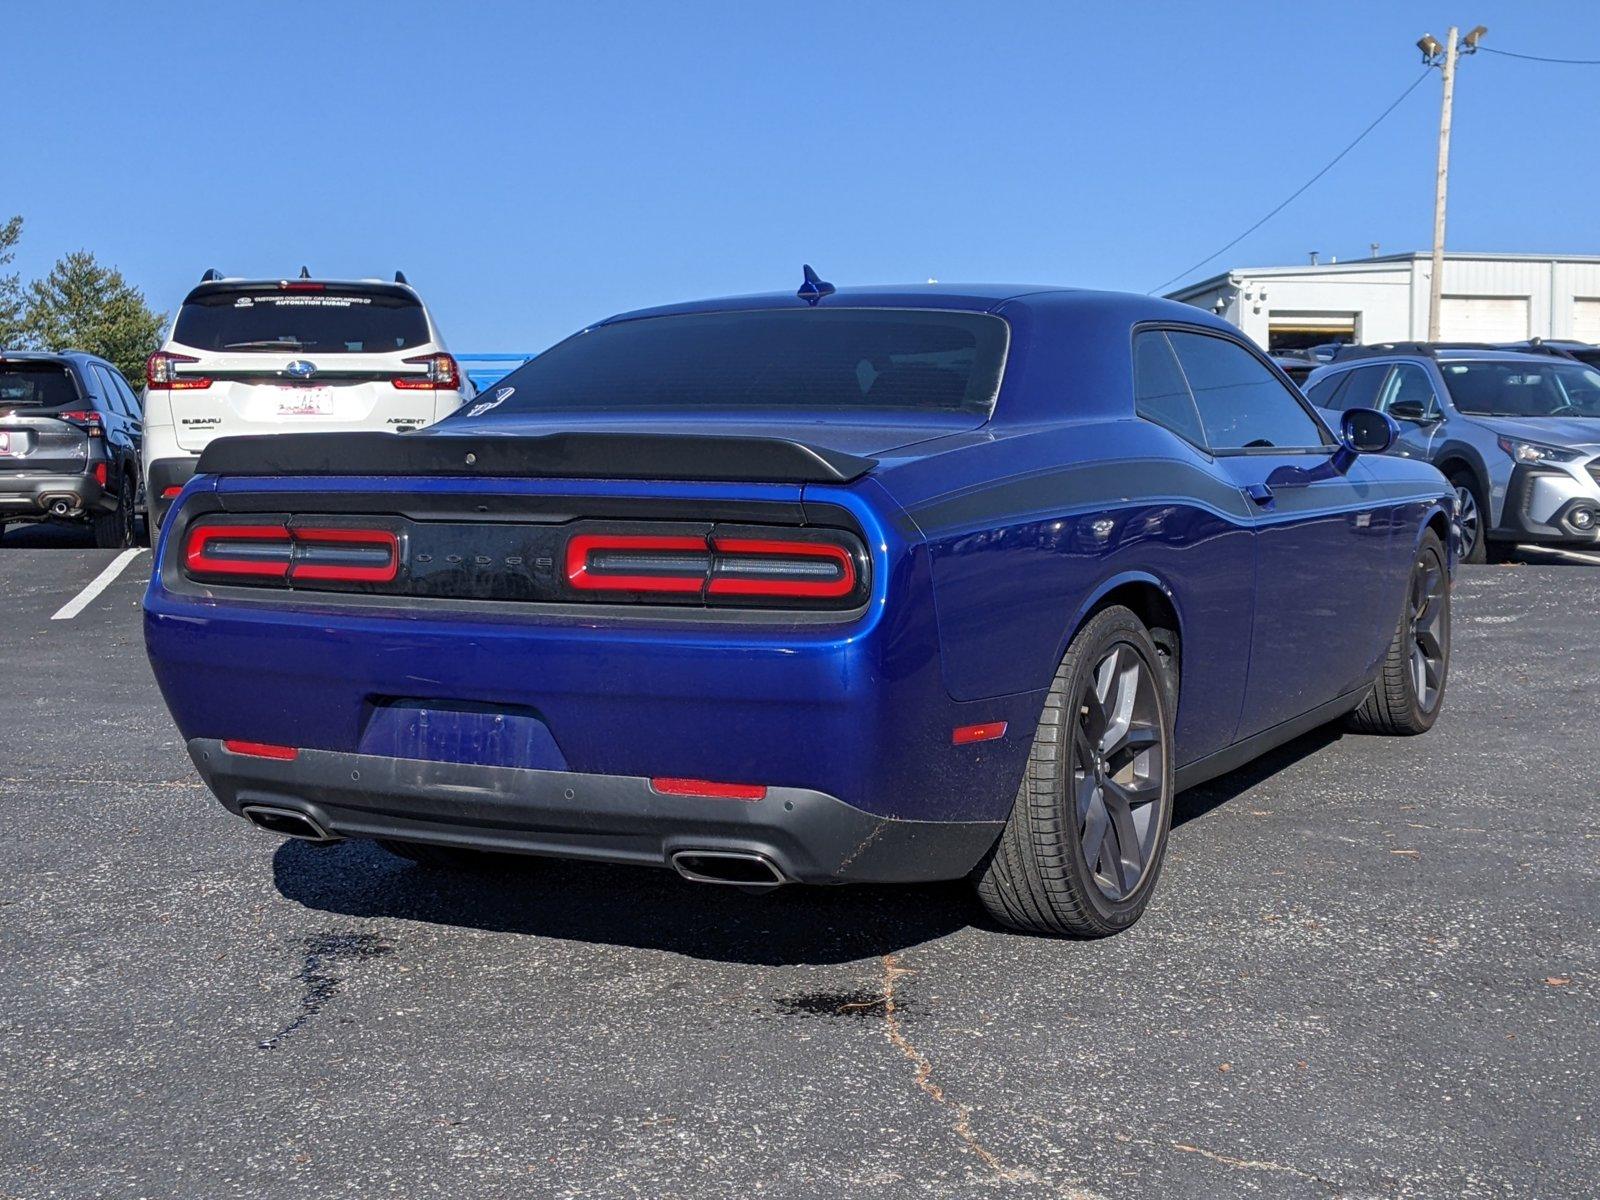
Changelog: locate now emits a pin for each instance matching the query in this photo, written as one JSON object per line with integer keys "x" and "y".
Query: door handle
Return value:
{"x": 1259, "y": 492}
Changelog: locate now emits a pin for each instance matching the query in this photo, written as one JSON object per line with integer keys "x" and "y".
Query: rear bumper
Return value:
{"x": 162, "y": 474}
{"x": 809, "y": 836}
{"x": 25, "y": 494}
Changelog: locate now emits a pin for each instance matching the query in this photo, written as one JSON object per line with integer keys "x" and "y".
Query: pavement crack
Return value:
{"x": 1251, "y": 1164}
{"x": 962, "y": 1125}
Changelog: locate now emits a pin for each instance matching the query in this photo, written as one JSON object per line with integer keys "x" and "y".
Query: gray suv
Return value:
{"x": 1517, "y": 433}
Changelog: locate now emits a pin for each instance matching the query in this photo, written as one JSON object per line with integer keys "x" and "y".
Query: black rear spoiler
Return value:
{"x": 550, "y": 455}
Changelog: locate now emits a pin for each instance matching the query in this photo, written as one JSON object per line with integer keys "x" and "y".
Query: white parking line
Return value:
{"x": 97, "y": 585}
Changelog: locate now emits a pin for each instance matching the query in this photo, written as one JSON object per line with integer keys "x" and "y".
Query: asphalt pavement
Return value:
{"x": 1370, "y": 971}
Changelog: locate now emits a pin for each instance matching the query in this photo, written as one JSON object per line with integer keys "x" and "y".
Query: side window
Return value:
{"x": 1408, "y": 382}
{"x": 1242, "y": 405}
{"x": 110, "y": 398}
{"x": 129, "y": 400}
{"x": 1366, "y": 383}
{"x": 1159, "y": 392}
{"x": 1326, "y": 392}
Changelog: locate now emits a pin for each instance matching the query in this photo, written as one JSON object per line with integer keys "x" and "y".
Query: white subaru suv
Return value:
{"x": 251, "y": 356}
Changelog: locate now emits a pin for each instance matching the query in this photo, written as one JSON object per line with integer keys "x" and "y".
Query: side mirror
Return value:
{"x": 1409, "y": 410}
{"x": 1367, "y": 431}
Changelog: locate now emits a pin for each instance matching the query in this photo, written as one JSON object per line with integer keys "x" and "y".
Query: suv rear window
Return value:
{"x": 35, "y": 385}
{"x": 321, "y": 322}
{"x": 834, "y": 359}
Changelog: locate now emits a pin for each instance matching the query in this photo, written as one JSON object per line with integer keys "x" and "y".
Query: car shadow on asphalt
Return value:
{"x": 649, "y": 908}
{"x": 1213, "y": 794}
{"x": 641, "y": 907}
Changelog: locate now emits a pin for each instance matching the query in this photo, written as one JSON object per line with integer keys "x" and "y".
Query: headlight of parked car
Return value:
{"x": 1534, "y": 452}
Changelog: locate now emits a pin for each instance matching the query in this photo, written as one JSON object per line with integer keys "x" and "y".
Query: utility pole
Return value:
{"x": 1444, "y": 58}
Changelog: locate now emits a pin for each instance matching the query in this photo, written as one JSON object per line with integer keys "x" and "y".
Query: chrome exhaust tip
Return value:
{"x": 287, "y": 822}
{"x": 735, "y": 868}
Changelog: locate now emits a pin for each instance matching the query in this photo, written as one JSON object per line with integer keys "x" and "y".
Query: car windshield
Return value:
{"x": 35, "y": 385}
{"x": 1550, "y": 388}
{"x": 320, "y": 322}
{"x": 835, "y": 359}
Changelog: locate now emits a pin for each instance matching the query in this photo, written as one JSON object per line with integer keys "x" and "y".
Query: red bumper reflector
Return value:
{"x": 260, "y": 749}
{"x": 965, "y": 735}
{"x": 709, "y": 790}
{"x": 100, "y": 474}
{"x": 167, "y": 493}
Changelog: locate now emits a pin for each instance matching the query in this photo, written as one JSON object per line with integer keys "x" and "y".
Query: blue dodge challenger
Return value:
{"x": 881, "y": 584}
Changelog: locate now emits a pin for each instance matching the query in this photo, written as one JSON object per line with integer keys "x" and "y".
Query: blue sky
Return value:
{"x": 533, "y": 167}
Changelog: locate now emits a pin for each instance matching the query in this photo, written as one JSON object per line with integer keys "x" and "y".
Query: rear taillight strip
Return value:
{"x": 768, "y": 567}
{"x": 712, "y": 566}
{"x": 604, "y": 562}
{"x": 291, "y": 555}
{"x": 256, "y": 551}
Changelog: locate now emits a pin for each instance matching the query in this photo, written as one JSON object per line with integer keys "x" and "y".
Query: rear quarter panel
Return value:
{"x": 1028, "y": 529}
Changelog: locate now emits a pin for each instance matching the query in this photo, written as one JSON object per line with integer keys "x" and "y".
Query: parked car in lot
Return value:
{"x": 1296, "y": 366}
{"x": 257, "y": 356}
{"x": 1517, "y": 434}
{"x": 878, "y": 584}
{"x": 70, "y": 430}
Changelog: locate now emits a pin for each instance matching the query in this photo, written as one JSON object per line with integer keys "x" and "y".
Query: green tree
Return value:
{"x": 12, "y": 331}
{"x": 81, "y": 305}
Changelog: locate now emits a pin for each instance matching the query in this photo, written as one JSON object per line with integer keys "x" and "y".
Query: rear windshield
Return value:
{"x": 1547, "y": 388}
{"x": 841, "y": 358}
{"x": 35, "y": 385}
{"x": 328, "y": 322}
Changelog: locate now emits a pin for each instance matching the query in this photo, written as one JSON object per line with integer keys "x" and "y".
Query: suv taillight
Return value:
{"x": 789, "y": 568}
{"x": 441, "y": 373}
{"x": 161, "y": 373}
{"x": 85, "y": 419}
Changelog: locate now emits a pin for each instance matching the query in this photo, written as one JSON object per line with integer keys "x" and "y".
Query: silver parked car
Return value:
{"x": 1517, "y": 433}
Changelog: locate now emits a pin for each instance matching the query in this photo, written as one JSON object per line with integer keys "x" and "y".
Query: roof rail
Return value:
{"x": 400, "y": 277}
{"x": 1347, "y": 352}
{"x": 211, "y": 274}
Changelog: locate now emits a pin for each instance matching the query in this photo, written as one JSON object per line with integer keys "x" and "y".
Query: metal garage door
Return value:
{"x": 1484, "y": 319}
{"x": 1586, "y": 320}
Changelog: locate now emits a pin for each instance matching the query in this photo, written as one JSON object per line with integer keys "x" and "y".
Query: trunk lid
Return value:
{"x": 37, "y": 444}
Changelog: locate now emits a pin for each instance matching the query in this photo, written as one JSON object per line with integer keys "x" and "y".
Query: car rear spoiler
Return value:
{"x": 550, "y": 455}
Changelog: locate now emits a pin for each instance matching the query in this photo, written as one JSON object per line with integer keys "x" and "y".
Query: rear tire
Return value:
{"x": 1099, "y": 776}
{"x": 114, "y": 530}
{"x": 1410, "y": 689}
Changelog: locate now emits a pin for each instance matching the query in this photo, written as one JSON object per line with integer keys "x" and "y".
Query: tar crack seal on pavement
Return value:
{"x": 321, "y": 984}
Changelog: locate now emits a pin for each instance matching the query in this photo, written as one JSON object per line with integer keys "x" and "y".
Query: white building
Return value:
{"x": 1487, "y": 298}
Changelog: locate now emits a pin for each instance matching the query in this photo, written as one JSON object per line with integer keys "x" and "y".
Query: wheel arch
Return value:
{"x": 1457, "y": 456}
{"x": 1153, "y": 601}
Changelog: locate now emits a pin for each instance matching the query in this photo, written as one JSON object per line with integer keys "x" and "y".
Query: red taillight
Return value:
{"x": 965, "y": 735}
{"x": 167, "y": 493}
{"x": 279, "y": 553}
{"x": 706, "y": 788}
{"x": 100, "y": 474}
{"x": 768, "y": 567}
{"x": 441, "y": 372}
{"x": 346, "y": 555}
{"x": 161, "y": 373}
{"x": 260, "y": 749}
{"x": 715, "y": 567}
{"x": 85, "y": 419}
{"x": 250, "y": 551}
{"x": 598, "y": 562}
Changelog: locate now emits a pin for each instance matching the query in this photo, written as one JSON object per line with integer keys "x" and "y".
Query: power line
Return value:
{"x": 1333, "y": 162}
{"x": 1573, "y": 62}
